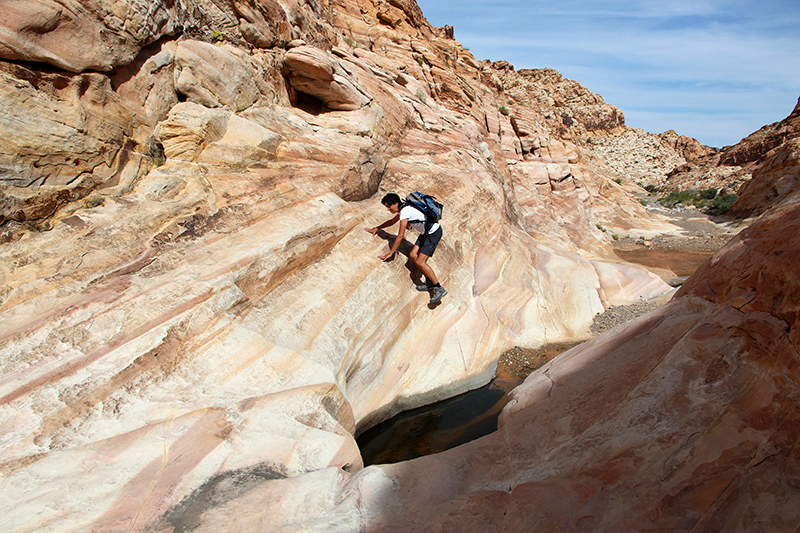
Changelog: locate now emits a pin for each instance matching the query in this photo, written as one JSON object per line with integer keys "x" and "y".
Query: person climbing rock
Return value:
{"x": 424, "y": 247}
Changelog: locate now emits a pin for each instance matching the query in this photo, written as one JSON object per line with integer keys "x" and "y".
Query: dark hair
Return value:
{"x": 391, "y": 199}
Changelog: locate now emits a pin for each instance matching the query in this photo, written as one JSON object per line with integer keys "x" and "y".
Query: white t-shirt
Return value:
{"x": 416, "y": 219}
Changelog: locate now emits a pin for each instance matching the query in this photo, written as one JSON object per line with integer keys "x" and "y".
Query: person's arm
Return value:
{"x": 391, "y": 222}
{"x": 401, "y": 233}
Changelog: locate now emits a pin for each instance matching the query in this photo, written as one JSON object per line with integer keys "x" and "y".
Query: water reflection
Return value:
{"x": 437, "y": 427}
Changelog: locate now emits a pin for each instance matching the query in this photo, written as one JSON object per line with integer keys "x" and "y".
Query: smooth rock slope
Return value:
{"x": 194, "y": 325}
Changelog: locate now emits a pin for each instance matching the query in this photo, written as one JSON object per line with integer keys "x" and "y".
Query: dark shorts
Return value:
{"x": 428, "y": 243}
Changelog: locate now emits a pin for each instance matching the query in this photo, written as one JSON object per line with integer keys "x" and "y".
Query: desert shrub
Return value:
{"x": 677, "y": 197}
{"x": 504, "y": 110}
{"x": 722, "y": 204}
{"x": 709, "y": 194}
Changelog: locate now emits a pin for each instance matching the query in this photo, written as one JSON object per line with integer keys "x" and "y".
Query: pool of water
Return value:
{"x": 437, "y": 427}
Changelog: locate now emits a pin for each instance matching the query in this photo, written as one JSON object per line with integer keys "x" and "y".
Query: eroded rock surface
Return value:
{"x": 682, "y": 420}
{"x": 203, "y": 328}
{"x": 776, "y": 176}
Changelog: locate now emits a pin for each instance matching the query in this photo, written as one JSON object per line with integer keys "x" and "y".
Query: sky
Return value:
{"x": 716, "y": 71}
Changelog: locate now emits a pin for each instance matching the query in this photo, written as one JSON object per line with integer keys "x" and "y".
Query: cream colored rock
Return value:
{"x": 198, "y": 350}
{"x": 62, "y": 136}
{"x": 215, "y": 76}
{"x": 319, "y": 74}
{"x": 208, "y": 293}
{"x": 682, "y": 420}
{"x": 638, "y": 155}
{"x": 189, "y": 129}
{"x": 147, "y": 85}
{"x": 58, "y": 127}
{"x": 224, "y": 139}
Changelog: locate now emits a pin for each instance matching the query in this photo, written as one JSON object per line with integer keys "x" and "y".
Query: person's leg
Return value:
{"x": 421, "y": 262}
{"x": 414, "y": 256}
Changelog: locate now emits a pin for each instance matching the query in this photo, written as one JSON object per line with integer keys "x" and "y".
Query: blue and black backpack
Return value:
{"x": 428, "y": 206}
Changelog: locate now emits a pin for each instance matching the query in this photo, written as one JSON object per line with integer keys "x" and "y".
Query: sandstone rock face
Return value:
{"x": 111, "y": 34}
{"x": 692, "y": 150}
{"x": 48, "y": 31}
{"x": 683, "y": 420}
{"x": 777, "y": 178}
{"x": 567, "y": 107}
{"x": 314, "y": 72}
{"x": 63, "y": 135}
{"x": 776, "y": 172}
{"x": 757, "y": 145}
{"x": 215, "y": 76}
{"x": 205, "y": 327}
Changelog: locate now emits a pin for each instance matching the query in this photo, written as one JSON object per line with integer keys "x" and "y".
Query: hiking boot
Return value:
{"x": 438, "y": 293}
{"x": 424, "y": 288}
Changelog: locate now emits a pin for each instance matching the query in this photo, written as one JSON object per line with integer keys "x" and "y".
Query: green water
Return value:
{"x": 437, "y": 427}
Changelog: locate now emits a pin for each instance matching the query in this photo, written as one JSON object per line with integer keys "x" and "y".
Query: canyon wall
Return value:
{"x": 684, "y": 419}
{"x": 190, "y": 304}
{"x": 195, "y": 324}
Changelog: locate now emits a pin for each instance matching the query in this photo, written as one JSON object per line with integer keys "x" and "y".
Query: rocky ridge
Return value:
{"x": 775, "y": 152}
{"x": 761, "y": 169}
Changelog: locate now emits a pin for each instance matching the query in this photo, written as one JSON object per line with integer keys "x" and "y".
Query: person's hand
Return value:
{"x": 386, "y": 257}
{"x": 371, "y": 230}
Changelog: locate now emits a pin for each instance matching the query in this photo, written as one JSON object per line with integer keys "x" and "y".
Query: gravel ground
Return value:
{"x": 616, "y": 315}
{"x": 705, "y": 243}
{"x": 519, "y": 362}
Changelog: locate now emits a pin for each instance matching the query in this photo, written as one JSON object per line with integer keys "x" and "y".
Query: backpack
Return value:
{"x": 428, "y": 206}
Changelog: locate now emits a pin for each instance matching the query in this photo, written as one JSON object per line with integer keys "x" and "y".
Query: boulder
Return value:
{"x": 189, "y": 129}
